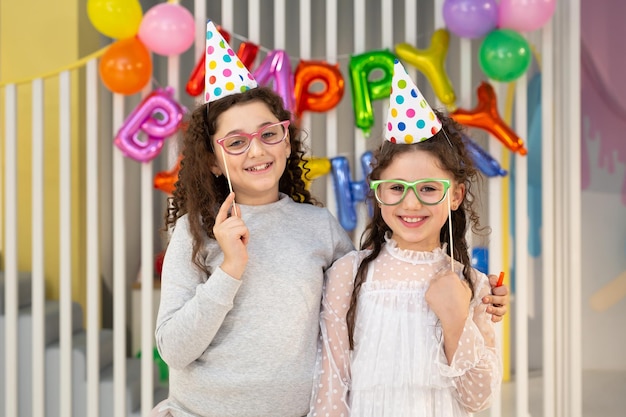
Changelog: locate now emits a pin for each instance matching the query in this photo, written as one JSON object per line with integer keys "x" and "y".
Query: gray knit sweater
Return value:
{"x": 247, "y": 347}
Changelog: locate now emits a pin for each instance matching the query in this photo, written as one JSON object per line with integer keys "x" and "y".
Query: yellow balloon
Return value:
{"x": 314, "y": 168}
{"x": 431, "y": 63}
{"x": 117, "y": 19}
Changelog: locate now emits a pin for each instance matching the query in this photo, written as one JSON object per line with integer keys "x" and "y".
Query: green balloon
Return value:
{"x": 504, "y": 55}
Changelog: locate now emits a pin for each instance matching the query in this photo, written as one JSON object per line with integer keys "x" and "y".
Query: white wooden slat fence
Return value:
{"x": 114, "y": 245}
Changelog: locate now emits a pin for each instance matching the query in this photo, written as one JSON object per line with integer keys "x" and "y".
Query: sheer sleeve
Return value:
{"x": 476, "y": 366}
{"x": 332, "y": 379}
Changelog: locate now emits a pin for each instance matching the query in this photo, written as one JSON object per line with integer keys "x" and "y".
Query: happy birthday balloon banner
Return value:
{"x": 295, "y": 88}
{"x": 145, "y": 129}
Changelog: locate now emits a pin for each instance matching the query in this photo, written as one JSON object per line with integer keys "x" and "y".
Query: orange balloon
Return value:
{"x": 126, "y": 67}
{"x": 485, "y": 116}
{"x": 166, "y": 180}
{"x": 310, "y": 72}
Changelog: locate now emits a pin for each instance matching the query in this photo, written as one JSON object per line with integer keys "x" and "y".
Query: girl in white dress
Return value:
{"x": 404, "y": 332}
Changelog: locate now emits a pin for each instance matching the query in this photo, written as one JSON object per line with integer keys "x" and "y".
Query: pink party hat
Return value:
{"x": 410, "y": 118}
{"x": 225, "y": 73}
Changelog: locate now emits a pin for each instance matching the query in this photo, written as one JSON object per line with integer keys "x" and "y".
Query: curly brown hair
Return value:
{"x": 448, "y": 146}
{"x": 198, "y": 192}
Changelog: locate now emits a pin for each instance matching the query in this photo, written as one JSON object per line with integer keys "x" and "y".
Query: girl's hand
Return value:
{"x": 498, "y": 301}
{"x": 232, "y": 235}
{"x": 449, "y": 298}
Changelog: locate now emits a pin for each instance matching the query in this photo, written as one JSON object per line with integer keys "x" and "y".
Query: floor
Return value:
{"x": 604, "y": 395}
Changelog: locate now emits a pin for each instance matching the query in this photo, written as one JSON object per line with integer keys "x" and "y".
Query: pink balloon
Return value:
{"x": 158, "y": 117}
{"x": 276, "y": 65}
{"x": 167, "y": 29}
{"x": 525, "y": 15}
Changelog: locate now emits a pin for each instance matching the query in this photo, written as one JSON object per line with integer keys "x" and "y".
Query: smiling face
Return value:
{"x": 256, "y": 173}
{"x": 416, "y": 226}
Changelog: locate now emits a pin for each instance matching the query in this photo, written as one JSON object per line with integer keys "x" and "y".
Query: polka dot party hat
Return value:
{"x": 410, "y": 118}
{"x": 225, "y": 73}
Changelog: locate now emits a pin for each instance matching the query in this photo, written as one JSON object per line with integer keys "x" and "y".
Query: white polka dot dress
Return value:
{"x": 398, "y": 366}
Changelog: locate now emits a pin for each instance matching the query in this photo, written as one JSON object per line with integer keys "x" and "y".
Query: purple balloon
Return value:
{"x": 157, "y": 117}
{"x": 470, "y": 18}
{"x": 276, "y": 65}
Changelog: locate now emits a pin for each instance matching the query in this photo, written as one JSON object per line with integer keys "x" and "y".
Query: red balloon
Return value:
{"x": 310, "y": 72}
{"x": 247, "y": 52}
{"x": 485, "y": 116}
{"x": 126, "y": 67}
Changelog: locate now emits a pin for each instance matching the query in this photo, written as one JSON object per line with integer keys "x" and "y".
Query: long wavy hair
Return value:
{"x": 198, "y": 192}
{"x": 454, "y": 158}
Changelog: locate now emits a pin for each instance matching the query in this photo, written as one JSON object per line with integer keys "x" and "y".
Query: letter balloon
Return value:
{"x": 309, "y": 73}
{"x": 365, "y": 90}
{"x": 485, "y": 116}
{"x": 158, "y": 116}
{"x": 276, "y": 66}
{"x": 431, "y": 62}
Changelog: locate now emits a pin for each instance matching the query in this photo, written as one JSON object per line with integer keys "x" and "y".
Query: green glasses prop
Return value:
{"x": 429, "y": 191}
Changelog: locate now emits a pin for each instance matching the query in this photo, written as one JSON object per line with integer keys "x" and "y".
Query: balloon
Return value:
{"x": 167, "y": 29}
{"x": 431, "y": 63}
{"x": 276, "y": 65}
{"x": 364, "y": 90}
{"x": 470, "y": 18}
{"x": 309, "y": 73}
{"x": 158, "y": 116}
{"x": 504, "y": 55}
{"x": 480, "y": 259}
{"x": 346, "y": 214}
{"x": 117, "y": 19}
{"x": 247, "y": 53}
{"x": 367, "y": 160}
{"x": 485, "y": 116}
{"x": 525, "y": 15}
{"x": 483, "y": 161}
{"x": 347, "y": 192}
{"x": 314, "y": 168}
{"x": 166, "y": 180}
{"x": 126, "y": 67}
{"x": 195, "y": 83}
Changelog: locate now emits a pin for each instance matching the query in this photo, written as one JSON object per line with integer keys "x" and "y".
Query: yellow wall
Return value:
{"x": 37, "y": 37}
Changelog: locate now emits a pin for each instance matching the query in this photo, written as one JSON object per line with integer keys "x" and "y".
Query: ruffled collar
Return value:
{"x": 414, "y": 256}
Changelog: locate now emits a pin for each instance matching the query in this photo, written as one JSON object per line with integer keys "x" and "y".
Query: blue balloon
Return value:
{"x": 348, "y": 192}
{"x": 483, "y": 161}
{"x": 346, "y": 213}
{"x": 480, "y": 259}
